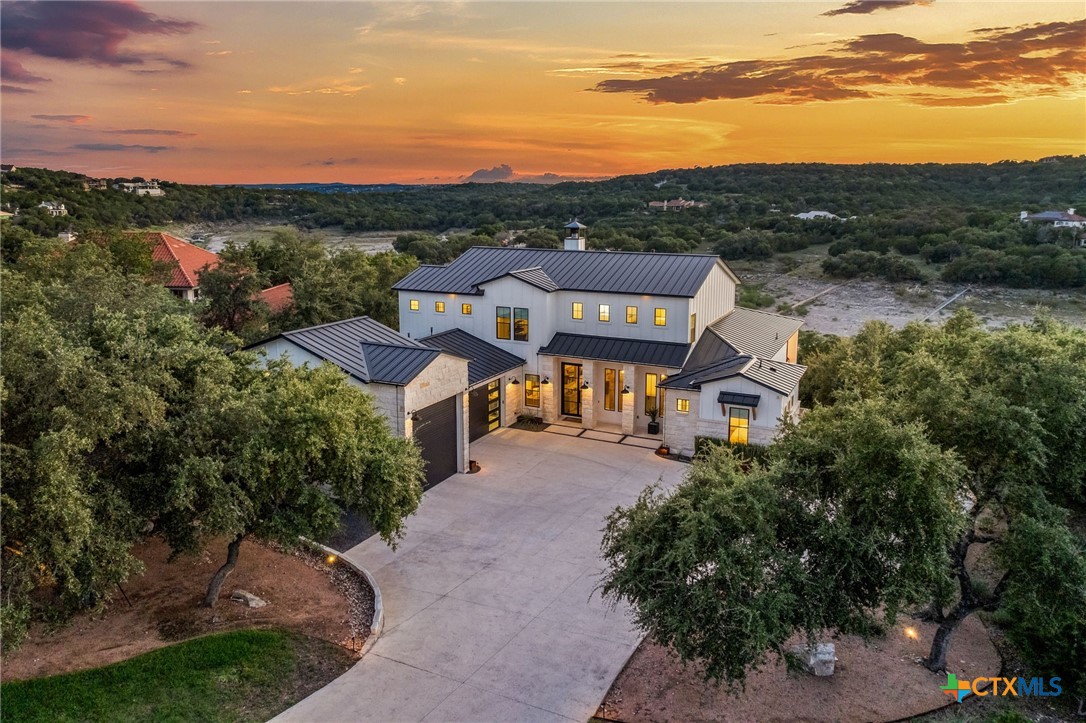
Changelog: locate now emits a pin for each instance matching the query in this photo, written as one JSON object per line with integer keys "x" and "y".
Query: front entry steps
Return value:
{"x": 569, "y": 430}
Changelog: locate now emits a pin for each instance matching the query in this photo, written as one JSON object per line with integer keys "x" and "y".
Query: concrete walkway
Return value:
{"x": 490, "y": 610}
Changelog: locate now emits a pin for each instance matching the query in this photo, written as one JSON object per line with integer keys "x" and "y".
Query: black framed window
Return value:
{"x": 531, "y": 390}
{"x": 520, "y": 324}
{"x": 504, "y": 322}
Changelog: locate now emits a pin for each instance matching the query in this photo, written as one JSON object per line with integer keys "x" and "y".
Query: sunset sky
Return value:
{"x": 250, "y": 92}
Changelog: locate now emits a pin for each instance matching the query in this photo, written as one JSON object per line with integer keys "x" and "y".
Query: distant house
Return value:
{"x": 812, "y": 215}
{"x": 679, "y": 204}
{"x": 53, "y": 208}
{"x": 68, "y": 236}
{"x": 1059, "y": 219}
{"x": 278, "y": 298}
{"x": 96, "y": 184}
{"x": 183, "y": 260}
{"x": 7, "y": 168}
{"x": 142, "y": 188}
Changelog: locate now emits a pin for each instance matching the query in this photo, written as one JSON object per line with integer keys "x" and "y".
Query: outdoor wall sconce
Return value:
{"x": 626, "y": 389}
{"x": 514, "y": 380}
{"x": 546, "y": 380}
{"x": 585, "y": 386}
{"x": 413, "y": 415}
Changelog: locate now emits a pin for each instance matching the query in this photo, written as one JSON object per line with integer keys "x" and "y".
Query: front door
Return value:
{"x": 571, "y": 389}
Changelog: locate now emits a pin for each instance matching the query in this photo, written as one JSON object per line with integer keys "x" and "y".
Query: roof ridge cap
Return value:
{"x": 592, "y": 251}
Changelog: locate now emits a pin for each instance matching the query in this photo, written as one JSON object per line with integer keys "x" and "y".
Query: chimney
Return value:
{"x": 1070, "y": 212}
{"x": 576, "y": 233}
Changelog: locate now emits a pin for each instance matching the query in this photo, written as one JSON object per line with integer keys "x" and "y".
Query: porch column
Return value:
{"x": 629, "y": 401}
{"x": 462, "y": 430}
{"x": 588, "y": 407}
{"x": 514, "y": 397}
{"x": 548, "y": 393}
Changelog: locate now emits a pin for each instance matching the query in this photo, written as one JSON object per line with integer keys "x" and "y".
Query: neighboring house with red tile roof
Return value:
{"x": 278, "y": 298}
{"x": 184, "y": 262}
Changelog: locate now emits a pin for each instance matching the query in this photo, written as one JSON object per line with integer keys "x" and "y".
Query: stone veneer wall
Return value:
{"x": 680, "y": 429}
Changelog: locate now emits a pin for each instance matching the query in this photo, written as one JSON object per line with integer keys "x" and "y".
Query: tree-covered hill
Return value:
{"x": 961, "y": 215}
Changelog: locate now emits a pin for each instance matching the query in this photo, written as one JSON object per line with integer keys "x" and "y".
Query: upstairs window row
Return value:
{"x": 659, "y": 317}
{"x": 519, "y": 324}
{"x": 439, "y": 307}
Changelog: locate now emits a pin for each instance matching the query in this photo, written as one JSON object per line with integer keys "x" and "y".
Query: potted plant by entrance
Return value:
{"x": 654, "y": 426}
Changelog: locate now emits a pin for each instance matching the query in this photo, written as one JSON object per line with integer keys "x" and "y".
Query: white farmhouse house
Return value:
{"x": 611, "y": 338}
{"x": 603, "y": 340}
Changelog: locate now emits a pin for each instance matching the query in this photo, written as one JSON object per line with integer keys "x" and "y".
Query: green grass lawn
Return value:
{"x": 242, "y": 675}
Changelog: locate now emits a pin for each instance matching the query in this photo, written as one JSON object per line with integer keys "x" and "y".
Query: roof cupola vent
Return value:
{"x": 576, "y": 234}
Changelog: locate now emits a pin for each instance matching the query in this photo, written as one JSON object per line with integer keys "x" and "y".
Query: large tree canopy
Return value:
{"x": 123, "y": 416}
{"x": 927, "y": 448}
{"x": 845, "y": 527}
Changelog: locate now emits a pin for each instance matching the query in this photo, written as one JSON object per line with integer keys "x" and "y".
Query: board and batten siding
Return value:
{"x": 547, "y": 313}
{"x": 482, "y": 322}
{"x": 714, "y": 299}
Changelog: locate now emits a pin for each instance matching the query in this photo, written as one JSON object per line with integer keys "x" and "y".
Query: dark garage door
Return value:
{"x": 435, "y": 431}
{"x": 484, "y": 410}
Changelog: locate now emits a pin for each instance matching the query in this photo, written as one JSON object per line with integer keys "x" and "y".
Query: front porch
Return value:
{"x": 606, "y": 397}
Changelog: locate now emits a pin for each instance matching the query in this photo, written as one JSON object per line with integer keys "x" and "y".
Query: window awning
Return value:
{"x": 744, "y": 400}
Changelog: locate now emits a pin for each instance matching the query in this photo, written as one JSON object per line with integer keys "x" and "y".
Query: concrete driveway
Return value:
{"x": 490, "y": 613}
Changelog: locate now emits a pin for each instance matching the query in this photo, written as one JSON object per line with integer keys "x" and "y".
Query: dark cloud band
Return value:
{"x": 1045, "y": 58}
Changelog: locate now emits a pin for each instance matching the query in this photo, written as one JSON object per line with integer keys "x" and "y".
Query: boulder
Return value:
{"x": 248, "y": 598}
{"x": 818, "y": 659}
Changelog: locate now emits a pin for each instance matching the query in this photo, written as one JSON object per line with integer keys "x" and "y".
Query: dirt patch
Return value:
{"x": 878, "y": 681}
{"x": 304, "y": 595}
{"x": 847, "y": 306}
{"x": 216, "y": 235}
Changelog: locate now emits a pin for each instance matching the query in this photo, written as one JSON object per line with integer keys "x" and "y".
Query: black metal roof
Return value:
{"x": 780, "y": 377}
{"x": 693, "y": 378}
{"x": 485, "y": 361}
{"x": 366, "y": 349}
{"x": 605, "y": 348}
{"x": 619, "y": 272}
{"x": 746, "y": 400}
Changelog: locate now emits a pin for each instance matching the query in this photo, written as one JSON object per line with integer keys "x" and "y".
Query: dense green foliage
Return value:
{"x": 244, "y": 675}
{"x": 927, "y": 448}
{"x": 123, "y": 416}
{"x": 939, "y": 212}
{"x": 327, "y": 285}
{"x": 733, "y": 564}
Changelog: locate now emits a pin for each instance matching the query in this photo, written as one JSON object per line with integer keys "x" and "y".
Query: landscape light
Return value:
{"x": 331, "y": 559}
{"x": 911, "y": 633}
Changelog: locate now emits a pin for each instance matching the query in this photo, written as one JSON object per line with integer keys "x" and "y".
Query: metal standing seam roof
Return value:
{"x": 366, "y": 349}
{"x": 759, "y": 333}
{"x": 779, "y": 377}
{"x": 630, "y": 351}
{"x": 535, "y": 276}
{"x": 621, "y": 272}
{"x": 694, "y": 378}
{"x": 485, "y": 361}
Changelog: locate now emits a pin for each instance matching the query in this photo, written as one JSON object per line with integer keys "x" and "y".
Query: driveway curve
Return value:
{"x": 490, "y": 609}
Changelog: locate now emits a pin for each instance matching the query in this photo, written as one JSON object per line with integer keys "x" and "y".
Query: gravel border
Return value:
{"x": 347, "y": 576}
